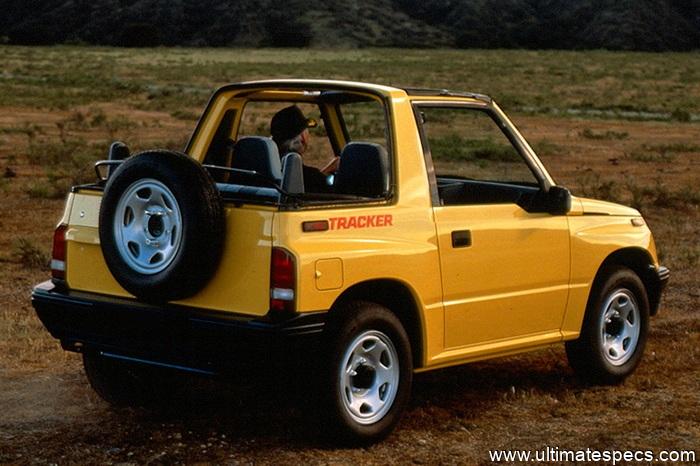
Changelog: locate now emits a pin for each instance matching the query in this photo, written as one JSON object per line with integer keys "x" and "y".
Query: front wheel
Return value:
{"x": 614, "y": 330}
{"x": 370, "y": 373}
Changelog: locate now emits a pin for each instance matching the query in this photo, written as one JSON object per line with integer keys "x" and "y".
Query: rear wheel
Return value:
{"x": 124, "y": 384}
{"x": 370, "y": 373}
{"x": 614, "y": 330}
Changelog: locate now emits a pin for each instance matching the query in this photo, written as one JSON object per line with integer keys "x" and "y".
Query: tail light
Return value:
{"x": 282, "y": 280}
{"x": 58, "y": 256}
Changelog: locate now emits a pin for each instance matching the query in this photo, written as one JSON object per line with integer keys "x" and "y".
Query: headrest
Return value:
{"x": 258, "y": 154}
{"x": 363, "y": 170}
{"x": 117, "y": 151}
{"x": 293, "y": 173}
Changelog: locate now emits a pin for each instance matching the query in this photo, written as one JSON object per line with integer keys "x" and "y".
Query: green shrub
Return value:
{"x": 681, "y": 115}
{"x": 592, "y": 185}
{"x": 647, "y": 157}
{"x": 64, "y": 163}
{"x": 672, "y": 147}
{"x": 457, "y": 148}
{"x": 547, "y": 147}
{"x": 184, "y": 115}
{"x": 609, "y": 135}
{"x": 28, "y": 254}
{"x": 48, "y": 189}
{"x": 46, "y": 153}
{"x": 659, "y": 195}
{"x": 98, "y": 119}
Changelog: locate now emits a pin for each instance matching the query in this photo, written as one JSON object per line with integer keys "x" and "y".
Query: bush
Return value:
{"x": 658, "y": 195}
{"x": 592, "y": 185}
{"x": 646, "y": 157}
{"x": 53, "y": 188}
{"x": 29, "y": 255}
{"x": 457, "y": 148}
{"x": 590, "y": 134}
{"x": 681, "y": 115}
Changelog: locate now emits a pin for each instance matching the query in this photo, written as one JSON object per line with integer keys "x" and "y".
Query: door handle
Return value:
{"x": 461, "y": 238}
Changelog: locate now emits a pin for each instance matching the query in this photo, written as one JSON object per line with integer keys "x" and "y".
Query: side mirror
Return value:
{"x": 558, "y": 200}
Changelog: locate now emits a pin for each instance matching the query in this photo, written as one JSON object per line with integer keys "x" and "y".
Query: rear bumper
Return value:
{"x": 198, "y": 340}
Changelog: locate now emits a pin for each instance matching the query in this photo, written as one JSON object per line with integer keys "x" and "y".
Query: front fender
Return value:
{"x": 595, "y": 238}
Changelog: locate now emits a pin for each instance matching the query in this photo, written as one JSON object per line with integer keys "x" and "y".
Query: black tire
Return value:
{"x": 381, "y": 331}
{"x": 607, "y": 350}
{"x": 123, "y": 384}
{"x": 196, "y": 231}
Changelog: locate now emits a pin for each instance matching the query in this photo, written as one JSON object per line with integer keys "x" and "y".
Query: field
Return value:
{"x": 618, "y": 126}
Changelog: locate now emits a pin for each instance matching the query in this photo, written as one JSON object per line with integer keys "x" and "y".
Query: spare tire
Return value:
{"x": 161, "y": 225}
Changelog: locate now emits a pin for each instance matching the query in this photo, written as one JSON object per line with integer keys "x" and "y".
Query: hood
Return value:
{"x": 594, "y": 206}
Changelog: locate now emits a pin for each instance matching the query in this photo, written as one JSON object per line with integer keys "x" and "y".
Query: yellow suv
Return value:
{"x": 439, "y": 239}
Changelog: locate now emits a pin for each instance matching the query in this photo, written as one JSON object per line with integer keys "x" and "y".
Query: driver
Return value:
{"x": 290, "y": 131}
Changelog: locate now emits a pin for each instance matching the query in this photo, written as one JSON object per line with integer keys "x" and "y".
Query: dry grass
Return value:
{"x": 456, "y": 415}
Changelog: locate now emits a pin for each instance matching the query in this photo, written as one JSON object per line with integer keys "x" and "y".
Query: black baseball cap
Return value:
{"x": 289, "y": 122}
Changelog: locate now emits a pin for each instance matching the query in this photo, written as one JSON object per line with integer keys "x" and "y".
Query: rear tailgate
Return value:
{"x": 240, "y": 285}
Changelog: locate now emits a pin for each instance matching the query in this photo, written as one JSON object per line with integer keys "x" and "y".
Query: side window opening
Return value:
{"x": 364, "y": 121}
{"x": 473, "y": 160}
{"x": 255, "y": 121}
{"x": 348, "y": 126}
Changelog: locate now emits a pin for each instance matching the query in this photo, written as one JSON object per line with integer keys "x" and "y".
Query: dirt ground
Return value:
{"x": 48, "y": 413}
